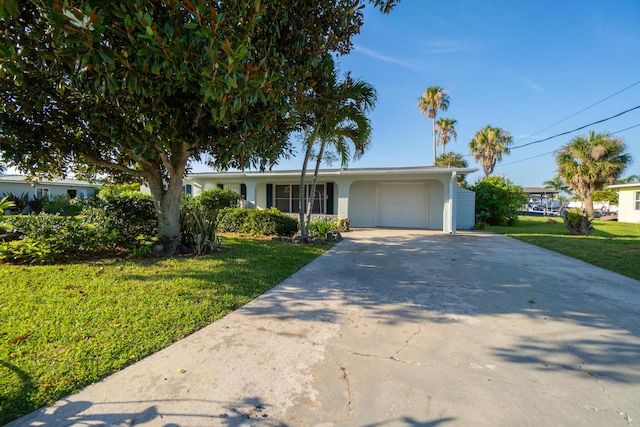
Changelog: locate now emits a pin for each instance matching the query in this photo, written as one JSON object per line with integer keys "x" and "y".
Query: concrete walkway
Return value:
{"x": 397, "y": 328}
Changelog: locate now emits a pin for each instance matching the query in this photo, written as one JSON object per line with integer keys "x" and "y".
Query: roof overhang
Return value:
{"x": 421, "y": 170}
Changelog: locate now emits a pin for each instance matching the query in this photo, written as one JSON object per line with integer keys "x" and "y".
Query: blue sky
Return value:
{"x": 515, "y": 64}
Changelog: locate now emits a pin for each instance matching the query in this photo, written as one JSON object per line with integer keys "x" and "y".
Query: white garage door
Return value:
{"x": 402, "y": 205}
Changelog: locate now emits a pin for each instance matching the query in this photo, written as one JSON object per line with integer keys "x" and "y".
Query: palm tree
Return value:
{"x": 445, "y": 128}
{"x": 628, "y": 180}
{"x": 488, "y": 146}
{"x": 557, "y": 184}
{"x": 588, "y": 163}
{"x": 453, "y": 160}
{"x": 339, "y": 121}
{"x": 433, "y": 99}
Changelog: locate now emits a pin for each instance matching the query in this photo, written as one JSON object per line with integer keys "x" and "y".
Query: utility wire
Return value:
{"x": 576, "y": 129}
{"x": 584, "y": 109}
{"x": 551, "y": 152}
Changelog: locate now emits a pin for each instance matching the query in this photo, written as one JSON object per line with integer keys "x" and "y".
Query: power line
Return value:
{"x": 622, "y": 130}
{"x": 576, "y": 129}
{"x": 551, "y": 152}
{"x": 584, "y": 109}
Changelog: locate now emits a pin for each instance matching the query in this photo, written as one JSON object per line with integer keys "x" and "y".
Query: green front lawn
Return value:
{"x": 65, "y": 326}
{"x": 613, "y": 245}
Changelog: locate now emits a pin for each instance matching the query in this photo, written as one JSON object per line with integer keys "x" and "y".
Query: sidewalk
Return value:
{"x": 397, "y": 328}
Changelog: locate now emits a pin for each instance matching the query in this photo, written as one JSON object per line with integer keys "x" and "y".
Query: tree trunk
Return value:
{"x": 434, "y": 140}
{"x": 304, "y": 228}
{"x": 588, "y": 204}
{"x": 167, "y": 205}
{"x": 313, "y": 185}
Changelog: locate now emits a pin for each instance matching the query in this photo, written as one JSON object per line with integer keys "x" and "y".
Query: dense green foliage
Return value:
{"x": 63, "y": 205}
{"x": 50, "y": 237}
{"x": 498, "y": 201}
{"x": 129, "y": 212}
{"x": 119, "y": 220}
{"x": 68, "y": 325}
{"x": 141, "y": 89}
{"x": 612, "y": 245}
{"x": 265, "y": 222}
{"x": 211, "y": 201}
{"x": 320, "y": 227}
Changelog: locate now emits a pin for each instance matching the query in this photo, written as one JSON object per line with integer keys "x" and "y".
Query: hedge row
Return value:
{"x": 267, "y": 222}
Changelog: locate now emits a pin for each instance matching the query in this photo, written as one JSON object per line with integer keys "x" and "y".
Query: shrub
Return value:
{"x": 63, "y": 205}
{"x": 129, "y": 214}
{"x": 109, "y": 191}
{"x": 20, "y": 202}
{"x": 321, "y": 227}
{"x": 498, "y": 201}
{"x": 27, "y": 250}
{"x": 48, "y": 237}
{"x": 216, "y": 199}
{"x": 267, "y": 222}
{"x": 199, "y": 232}
{"x": 234, "y": 220}
{"x": 578, "y": 222}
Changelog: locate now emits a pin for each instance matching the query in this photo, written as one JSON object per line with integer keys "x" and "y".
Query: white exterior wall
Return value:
{"x": 17, "y": 187}
{"x": 466, "y": 209}
{"x": 626, "y": 205}
{"x": 355, "y": 191}
{"x": 362, "y": 204}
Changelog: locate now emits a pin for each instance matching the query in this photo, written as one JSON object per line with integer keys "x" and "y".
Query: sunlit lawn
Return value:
{"x": 613, "y": 245}
{"x": 68, "y": 325}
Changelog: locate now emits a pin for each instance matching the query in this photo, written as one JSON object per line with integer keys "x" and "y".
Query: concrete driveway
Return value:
{"x": 398, "y": 328}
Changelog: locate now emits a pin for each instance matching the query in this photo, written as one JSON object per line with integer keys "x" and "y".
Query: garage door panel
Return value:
{"x": 402, "y": 205}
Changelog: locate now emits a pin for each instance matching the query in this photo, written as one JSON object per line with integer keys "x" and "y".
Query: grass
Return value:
{"x": 613, "y": 245}
{"x": 65, "y": 326}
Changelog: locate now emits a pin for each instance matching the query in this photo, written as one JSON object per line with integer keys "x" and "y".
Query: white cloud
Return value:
{"x": 533, "y": 85}
{"x": 385, "y": 58}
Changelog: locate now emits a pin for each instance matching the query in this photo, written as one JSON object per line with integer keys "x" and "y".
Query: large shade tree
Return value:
{"x": 338, "y": 121}
{"x": 489, "y": 145}
{"x": 140, "y": 90}
{"x": 433, "y": 99}
{"x": 588, "y": 163}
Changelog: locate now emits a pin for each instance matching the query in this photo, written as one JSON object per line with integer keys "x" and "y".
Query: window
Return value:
{"x": 221, "y": 186}
{"x": 72, "y": 193}
{"x": 287, "y": 198}
{"x": 42, "y": 193}
{"x": 187, "y": 189}
{"x": 637, "y": 200}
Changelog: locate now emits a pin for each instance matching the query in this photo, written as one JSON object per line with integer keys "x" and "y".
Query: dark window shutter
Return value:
{"x": 269, "y": 195}
{"x": 243, "y": 191}
{"x": 330, "y": 198}
{"x": 221, "y": 186}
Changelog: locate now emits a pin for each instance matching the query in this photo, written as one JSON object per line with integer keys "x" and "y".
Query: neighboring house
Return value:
{"x": 18, "y": 184}
{"x": 410, "y": 197}
{"x": 628, "y": 202}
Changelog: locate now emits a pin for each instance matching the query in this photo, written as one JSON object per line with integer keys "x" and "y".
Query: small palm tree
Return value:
{"x": 588, "y": 163}
{"x": 339, "y": 121}
{"x": 445, "y": 128}
{"x": 433, "y": 99}
{"x": 557, "y": 184}
{"x": 488, "y": 146}
{"x": 628, "y": 180}
{"x": 453, "y": 160}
